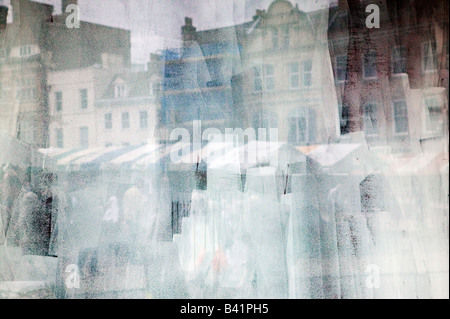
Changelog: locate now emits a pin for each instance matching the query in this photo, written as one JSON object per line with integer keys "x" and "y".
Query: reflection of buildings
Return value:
{"x": 280, "y": 74}
{"x": 198, "y": 77}
{"x": 286, "y": 83}
{"x": 35, "y": 44}
{"x": 387, "y": 79}
{"x": 103, "y": 105}
{"x": 24, "y": 64}
{"x": 127, "y": 113}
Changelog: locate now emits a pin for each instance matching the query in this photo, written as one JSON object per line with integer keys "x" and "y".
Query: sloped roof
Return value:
{"x": 138, "y": 84}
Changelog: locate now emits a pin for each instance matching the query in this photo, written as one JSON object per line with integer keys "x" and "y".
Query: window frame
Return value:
{"x": 306, "y": 72}
{"x": 84, "y": 101}
{"x": 141, "y": 119}
{"x": 81, "y": 130}
{"x": 365, "y": 77}
{"x": 394, "y": 117}
{"x": 125, "y": 120}
{"x": 58, "y": 101}
{"x": 426, "y": 112}
{"x": 108, "y": 121}
{"x": 269, "y": 77}
{"x": 365, "y": 118}
{"x": 337, "y": 68}
{"x": 59, "y": 137}
{"x": 120, "y": 90}
{"x": 397, "y": 56}
{"x": 294, "y": 74}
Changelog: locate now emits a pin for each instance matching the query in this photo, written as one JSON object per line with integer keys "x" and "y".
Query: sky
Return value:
{"x": 156, "y": 24}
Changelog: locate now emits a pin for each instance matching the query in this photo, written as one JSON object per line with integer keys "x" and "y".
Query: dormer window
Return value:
{"x": 155, "y": 88}
{"x": 120, "y": 90}
{"x": 26, "y": 50}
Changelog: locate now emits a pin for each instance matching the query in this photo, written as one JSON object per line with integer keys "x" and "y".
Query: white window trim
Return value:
{"x": 393, "y": 118}
{"x": 369, "y": 78}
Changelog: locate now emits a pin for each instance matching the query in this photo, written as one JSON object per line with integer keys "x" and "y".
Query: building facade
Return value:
{"x": 35, "y": 44}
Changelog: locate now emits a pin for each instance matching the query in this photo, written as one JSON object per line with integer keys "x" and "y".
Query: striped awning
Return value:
{"x": 119, "y": 157}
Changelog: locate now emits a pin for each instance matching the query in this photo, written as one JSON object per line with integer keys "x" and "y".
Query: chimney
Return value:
{"x": 65, "y": 3}
{"x": 3, "y": 16}
{"x": 188, "y": 30}
{"x": 259, "y": 14}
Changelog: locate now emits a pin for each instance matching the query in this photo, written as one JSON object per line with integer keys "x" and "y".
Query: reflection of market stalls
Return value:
{"x": 325, "y": 214}
{"x": 88, "y": 179}
{"x": 197, "y": 167}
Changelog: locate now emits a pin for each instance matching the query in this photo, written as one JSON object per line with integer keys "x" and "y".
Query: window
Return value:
{"x": 155, "y": 88}
{"x": 371, "y": 119}
{"x": 370, "y": 65}
{"x": 307, "y": 73}
{"x": 294, "y": 76}
{"x": 398, "y": 60}
{"x": 297, "y": 130}
{"x": 269, "y": 77}
{"x": 108, "y": 121}
{"x": 433, "y": 115}
{"x": 274, "y": 33}
{"x": 3, "y": 53}
{"x": 429, "y": 57}
{"x": 26, "y": 89}
{"x": 84, "y": 98}
{"x": 264, "y": 78}
{"x": 257, "y": 80}
{"x": 58, "y": 101}
{"x": 120, "y": 90}
{"x": 265, "y": 120}
{"x": 285, "y": 35}
{"x": 341, "y": 68}
{"x": 5, "y": 90}
{"x": 344, "y": 118}
{"x": 26, "y": 50}
{"x": 59, "y": 138}
{"x": 400, "y": 117}
{"x": 84, "y": 137}
{"x": 302, "y": 126}
{"x": 125, "y": 120}
{"x": 143, "y": 121}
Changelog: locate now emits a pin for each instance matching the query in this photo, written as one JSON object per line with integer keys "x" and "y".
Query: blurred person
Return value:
{"x": 10, "y": 191}
{"x": 137, "y": 223}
